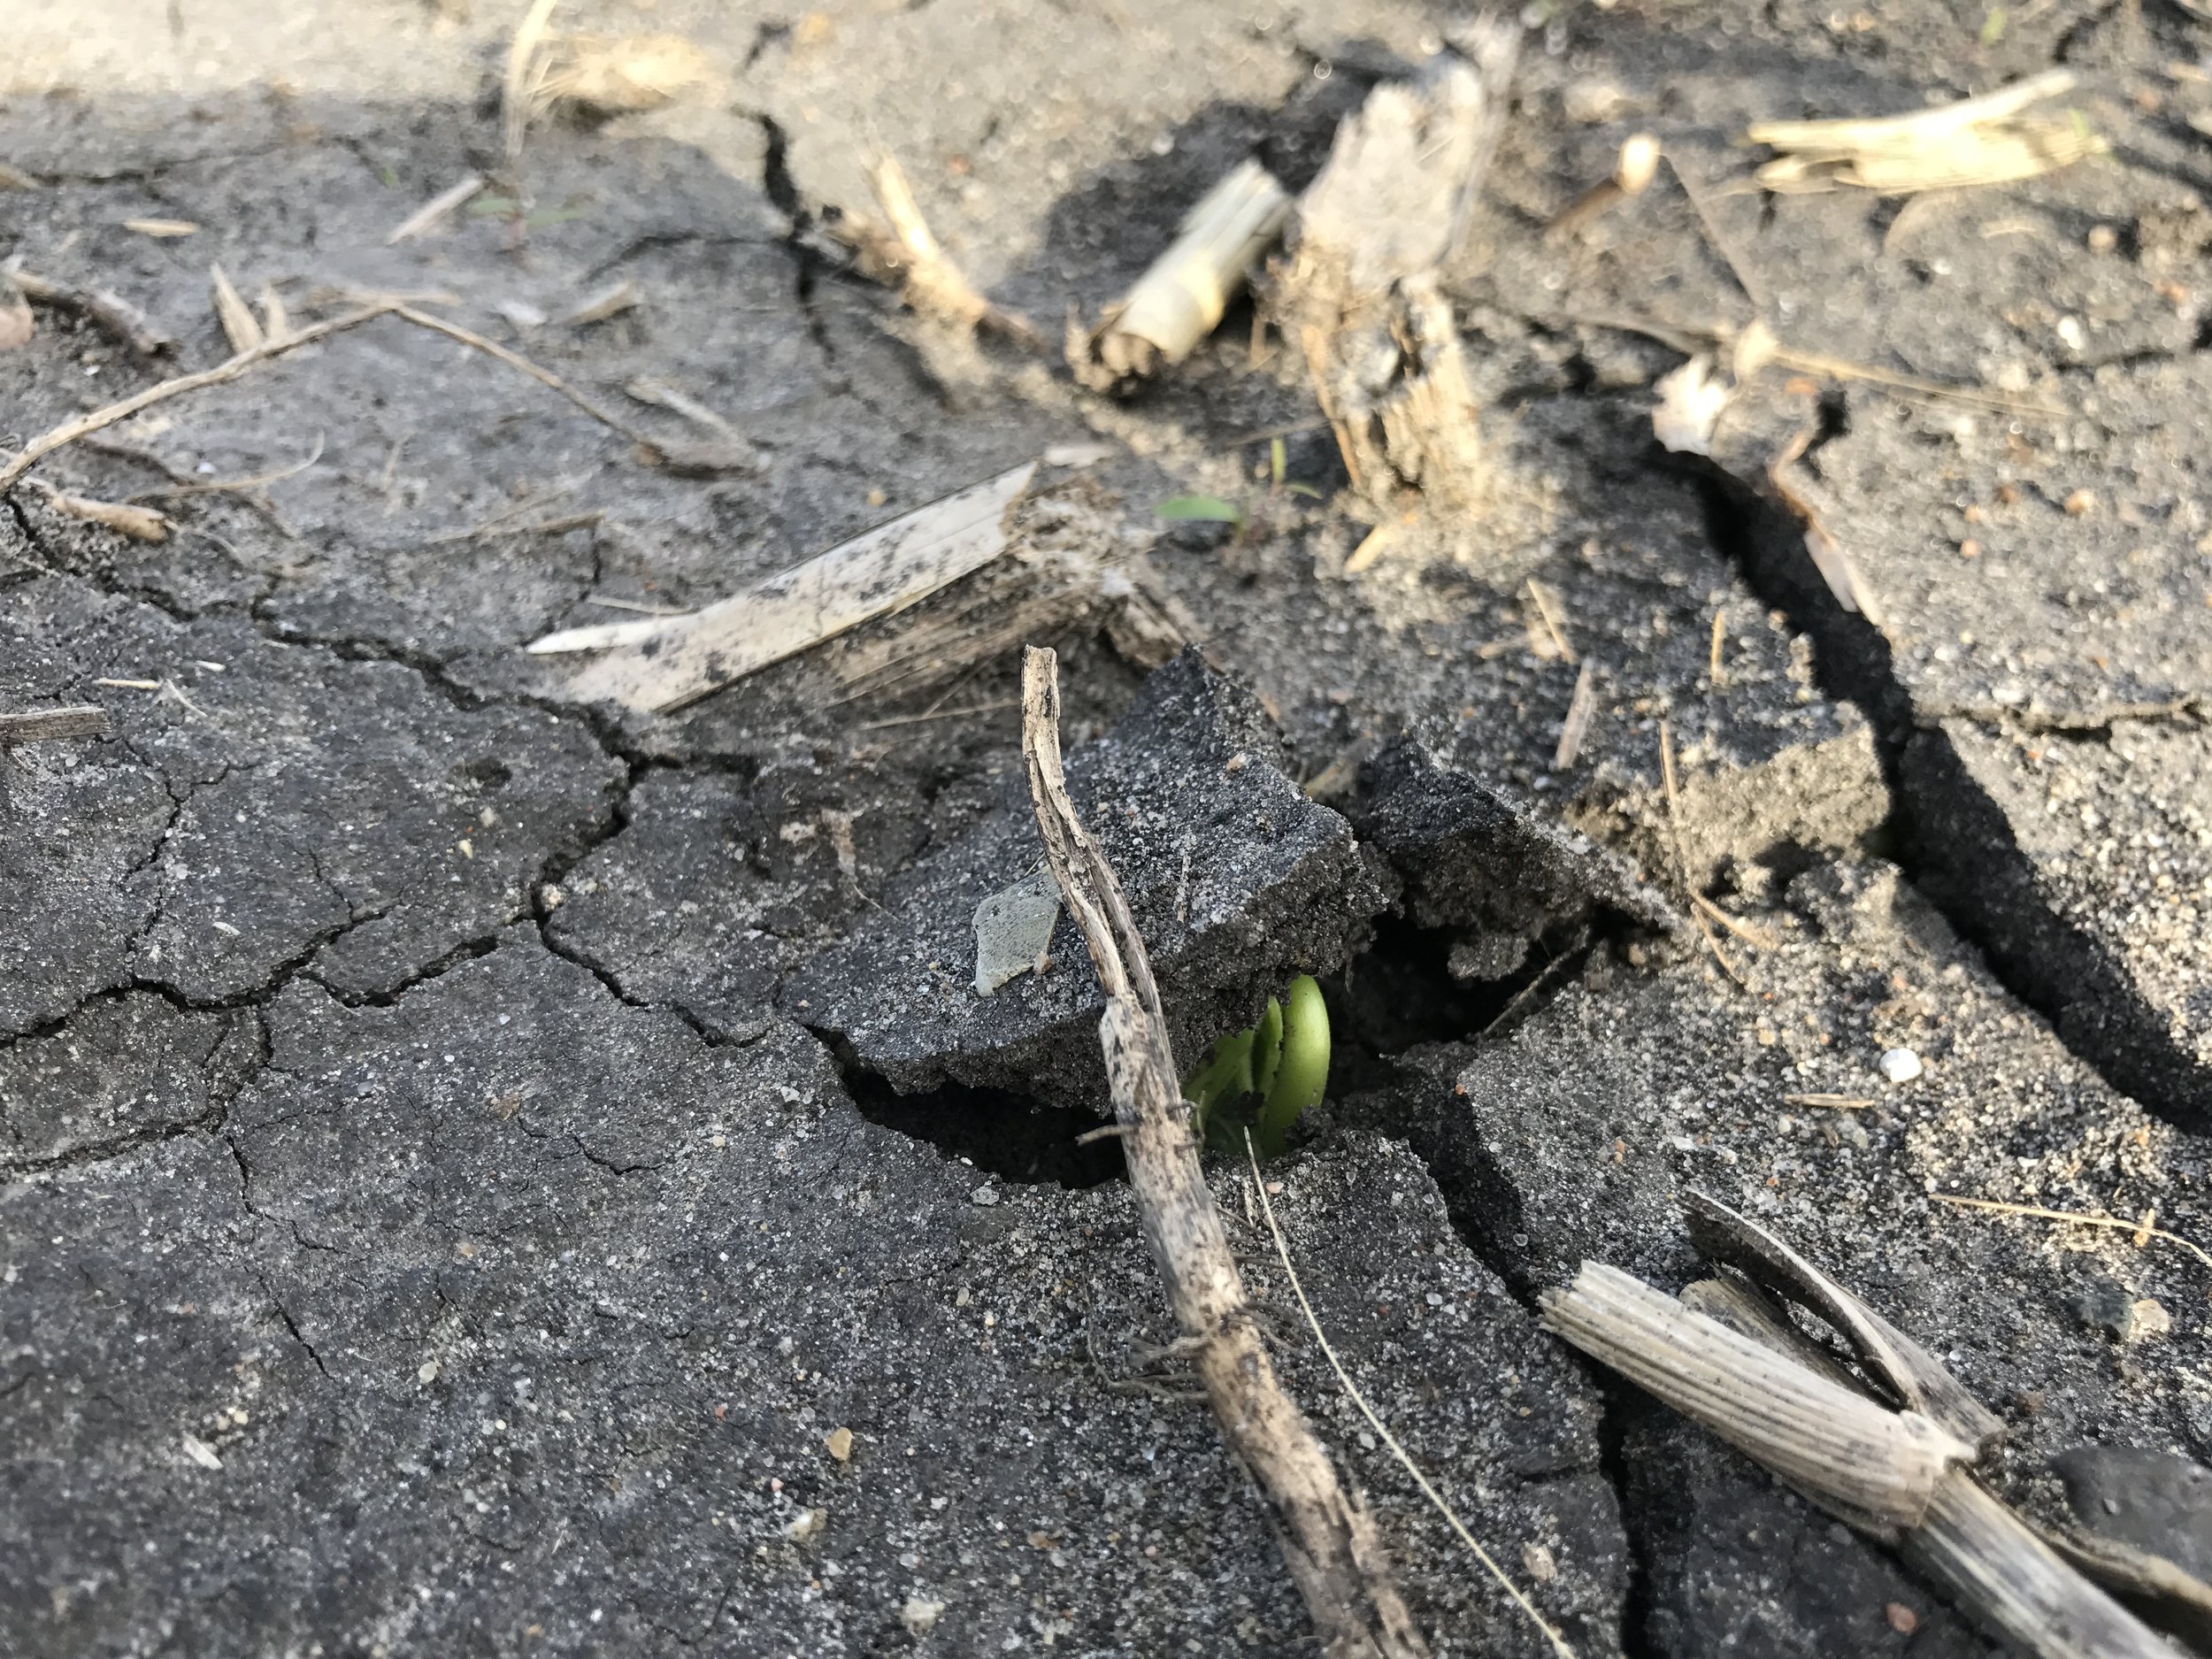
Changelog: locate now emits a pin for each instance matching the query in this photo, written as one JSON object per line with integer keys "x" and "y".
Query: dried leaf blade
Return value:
{"x": 884, "y": 570}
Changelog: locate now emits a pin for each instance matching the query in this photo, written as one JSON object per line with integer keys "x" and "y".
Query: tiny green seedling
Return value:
{"x": 509, "y": 208}
{"x": 1200, "y": 508}
{"x": 1238, "y": 516}
{"x": 1264, "y": 1077}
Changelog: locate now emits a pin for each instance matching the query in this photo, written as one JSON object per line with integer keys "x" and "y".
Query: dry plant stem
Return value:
{"x": 514, "y": 360}
{"x": 177, "y": 386}
{"x": 1975, "y": 141}
{"x": 1382, "y": 1430}
{"x": 1360, "y": 291}
{"x": 928, "y": 269}
{"x": 1998, "y": 1207}
{"x": 909, "y": 254}
{"x": 1899, "y": 1475}
{"x": 1915, "y": 1378}
{"x": 1328, "y": 1539}
{"x": 426, "y": 217}
{"x": 70, "y": 431}
{"x": 2019, "y": 1585}
{"x": 1917, "y": 125}
{"x": 1681, "y": 862}
{"x": 1690, "y": 341}
{"x": 241, "y": 328}
{"x": 522, "y": 64}
{"x": 2168, "y": 1595}
{"x": 1757, "y": 939}
{"x": 1545, "y": 609}
{"x": 665, "y": 663}
{"x": 1879, "y": 1468}
{"x": 140, "y": 524}
{"x": 1577, "y": 724}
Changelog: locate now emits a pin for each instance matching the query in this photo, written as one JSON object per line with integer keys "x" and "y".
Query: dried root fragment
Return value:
{"x": 1181, "y": 298}
{"x": 116, "y": 317}
{"x": 902, "y": 252}
{"x": 1359, "y": 291}
{"x": 140, "y": 524}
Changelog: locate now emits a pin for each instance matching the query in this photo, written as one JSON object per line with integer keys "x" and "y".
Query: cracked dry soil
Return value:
{"x": 465, "y": 1153}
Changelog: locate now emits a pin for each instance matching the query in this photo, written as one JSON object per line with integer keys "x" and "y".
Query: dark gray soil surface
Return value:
{"x": 482, "y": 1174}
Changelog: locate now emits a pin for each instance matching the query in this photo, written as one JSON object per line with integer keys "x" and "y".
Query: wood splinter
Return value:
{"x": 1361, "y": 289}
{"x": 50, "y": 726}
{"x": 1328, "y": 1539}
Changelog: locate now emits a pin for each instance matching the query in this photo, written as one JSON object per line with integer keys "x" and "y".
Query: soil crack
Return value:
{"x": 1953, "y": 840}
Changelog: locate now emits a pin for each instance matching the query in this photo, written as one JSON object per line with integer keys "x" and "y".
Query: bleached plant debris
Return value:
{"x": 1359, "y": 292}
{"x": 1888, "y": 1448}
{"x": 1182, "y": 295}
{"x": 666, "y": 662}
{"x": 1691, "y": 399}
{"x": 1975, "y": 141}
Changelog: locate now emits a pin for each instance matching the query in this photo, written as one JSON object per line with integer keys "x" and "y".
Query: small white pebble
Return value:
{"x": 984, "y": 1195}
{"x": 2146, "y": 1317}
{"x": 427, "y": 1372}
{"x": 1900, "y": 1065}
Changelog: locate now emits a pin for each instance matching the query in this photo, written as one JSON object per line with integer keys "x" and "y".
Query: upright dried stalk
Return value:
{"x": 1360, "y": 290}
{"x": 1327, "y": 1538}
